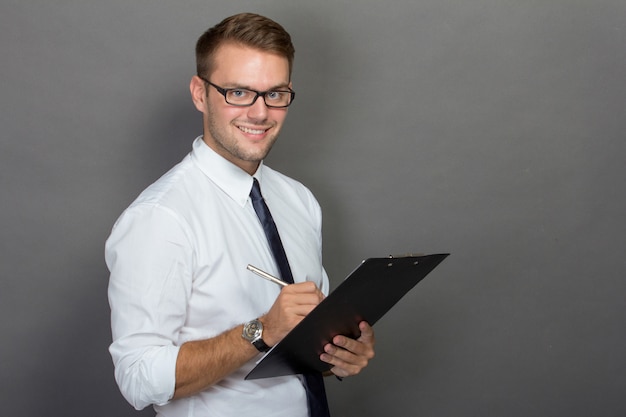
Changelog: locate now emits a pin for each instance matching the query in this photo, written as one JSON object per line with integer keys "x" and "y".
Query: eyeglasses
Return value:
{"x": 245, "y": 97}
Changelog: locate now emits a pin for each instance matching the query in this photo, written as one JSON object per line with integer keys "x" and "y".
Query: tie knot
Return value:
{"x": 255, "y": 193}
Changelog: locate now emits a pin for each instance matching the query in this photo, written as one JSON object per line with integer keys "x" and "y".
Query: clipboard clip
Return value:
{"x": 406, "y": 255}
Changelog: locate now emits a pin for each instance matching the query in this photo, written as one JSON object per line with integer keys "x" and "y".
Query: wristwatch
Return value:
{"x": 253, "y": 333}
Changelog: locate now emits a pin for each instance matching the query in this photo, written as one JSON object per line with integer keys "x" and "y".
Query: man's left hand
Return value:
{"x": 350, "y": 356}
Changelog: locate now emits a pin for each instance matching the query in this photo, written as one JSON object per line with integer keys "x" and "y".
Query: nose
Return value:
{"x": 258, "y": 110}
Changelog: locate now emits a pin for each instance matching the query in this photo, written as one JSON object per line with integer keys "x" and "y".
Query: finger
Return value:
{"x": 300, "y": 310}
{"x": 364, "y": 345}
{"x": 305, "y": 293}
{"x": 344, "y": 362}
{"x": 366, "y": 336}
{"x": 299, "y": 299}
{"x": 367, "y": 333}
{"x": 345, "y": 347}
{"x": 302, "y": 287}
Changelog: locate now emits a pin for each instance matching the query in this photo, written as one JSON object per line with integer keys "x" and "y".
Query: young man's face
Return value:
{"x": 242, "y": 135}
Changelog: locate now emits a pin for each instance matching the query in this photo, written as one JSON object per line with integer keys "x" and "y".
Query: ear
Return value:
{"x": 197, "y": 87}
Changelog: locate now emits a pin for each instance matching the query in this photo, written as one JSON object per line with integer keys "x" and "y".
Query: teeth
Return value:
{"x": 252, "y": 131}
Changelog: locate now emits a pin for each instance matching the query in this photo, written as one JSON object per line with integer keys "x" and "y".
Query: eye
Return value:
{"x": 239, "y": 93}
{"x": 278, "y": 96}
{"x": 274, "y": 95}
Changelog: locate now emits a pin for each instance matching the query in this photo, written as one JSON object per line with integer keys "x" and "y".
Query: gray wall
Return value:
{"x": 493, "y": 130}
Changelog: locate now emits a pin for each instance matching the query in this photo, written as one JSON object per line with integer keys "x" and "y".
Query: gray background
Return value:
{"x": 493, "y": 130}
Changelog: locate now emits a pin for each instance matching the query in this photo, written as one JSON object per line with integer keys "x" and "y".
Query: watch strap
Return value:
{"x": 260, "y": 345}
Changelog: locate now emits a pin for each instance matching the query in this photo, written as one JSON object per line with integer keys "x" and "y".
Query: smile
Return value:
{"x": 251, "y": 131}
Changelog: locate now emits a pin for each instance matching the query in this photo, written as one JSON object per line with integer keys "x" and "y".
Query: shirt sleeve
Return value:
{"x": 149, "y": 256}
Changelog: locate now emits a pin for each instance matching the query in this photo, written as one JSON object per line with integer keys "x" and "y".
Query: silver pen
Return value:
{"x": 267, "y": 276}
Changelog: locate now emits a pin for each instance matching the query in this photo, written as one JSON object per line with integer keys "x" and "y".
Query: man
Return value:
{"x": 179, "y": 291}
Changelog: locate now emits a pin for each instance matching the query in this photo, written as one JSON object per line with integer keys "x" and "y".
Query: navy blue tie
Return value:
{"x": 314, "y": 382}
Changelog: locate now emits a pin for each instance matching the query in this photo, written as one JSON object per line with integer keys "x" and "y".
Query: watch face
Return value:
{"x": 252, "y": 330}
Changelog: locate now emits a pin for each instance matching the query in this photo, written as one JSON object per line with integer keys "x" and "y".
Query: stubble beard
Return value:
{"x": 228, "y": 143}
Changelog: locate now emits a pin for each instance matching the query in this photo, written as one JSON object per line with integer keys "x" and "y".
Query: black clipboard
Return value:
{"x": 368, "y": 293}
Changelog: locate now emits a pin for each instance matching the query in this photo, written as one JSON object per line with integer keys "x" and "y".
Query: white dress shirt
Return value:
{"x": 178, "y": 258}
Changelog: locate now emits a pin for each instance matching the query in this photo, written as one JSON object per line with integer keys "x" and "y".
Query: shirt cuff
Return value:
{"x": 148, "y": 378}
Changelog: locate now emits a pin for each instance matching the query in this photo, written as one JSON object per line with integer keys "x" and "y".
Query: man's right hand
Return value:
{"x": 293, "y": 303}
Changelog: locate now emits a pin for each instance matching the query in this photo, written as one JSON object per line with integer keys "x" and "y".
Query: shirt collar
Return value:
{"x": 231, "y": 179}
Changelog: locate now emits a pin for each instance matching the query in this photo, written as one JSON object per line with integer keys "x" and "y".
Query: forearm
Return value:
{"x": 202, "y": 363}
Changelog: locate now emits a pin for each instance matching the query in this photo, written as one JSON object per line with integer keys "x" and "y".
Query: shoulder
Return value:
{"x": 168, "y": 186}
{"x": 165, "y": 200}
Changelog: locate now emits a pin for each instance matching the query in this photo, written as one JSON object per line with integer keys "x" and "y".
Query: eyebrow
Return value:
{"x": 247, "y": 87}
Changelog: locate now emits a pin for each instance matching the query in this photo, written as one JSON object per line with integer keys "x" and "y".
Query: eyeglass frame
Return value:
{"x": 223, "y": 91}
